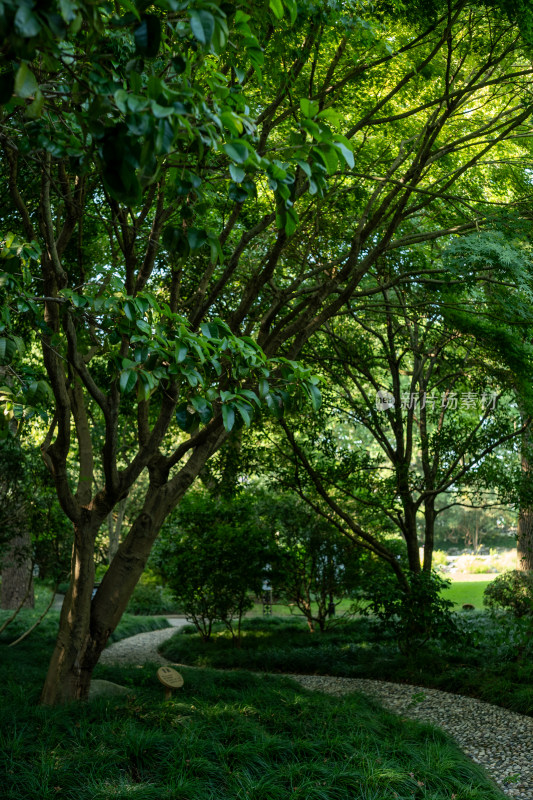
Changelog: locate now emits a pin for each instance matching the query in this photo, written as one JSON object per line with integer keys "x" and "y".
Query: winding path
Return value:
{"x": 499, "y": 740}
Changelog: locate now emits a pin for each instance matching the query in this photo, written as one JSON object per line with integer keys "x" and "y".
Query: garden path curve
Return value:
{"x": 499, "y": 740}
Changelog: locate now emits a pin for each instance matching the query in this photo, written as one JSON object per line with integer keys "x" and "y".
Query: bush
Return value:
{"x": 415, "y": 614}
{"x": 439, "y": 559}
{"x": 151, "y": 599}
{"x": 512, "y": 591}
{"x": 212, "y": 554}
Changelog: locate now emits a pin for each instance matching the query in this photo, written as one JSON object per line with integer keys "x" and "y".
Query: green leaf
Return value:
{"x": 8, "y": 349}
{"x": 25, "y": 82}
{"x": 292, "y": 7}
{"x": 202, "y": 26}
{"x": 203, "y": 408}
{"x": 35, "y": 109}
{"x": 246, "y": 413}
{"x": 237, "y": 173}
{"x": 228, "y": 417}
{"x": 196, "y": 237}
{"x": 186, "y": 420}
{"x": 315, "y": 395}
{"x": 276, "y": 6}
{"x": 275, "y": 405}
{"x": 309, "y": 108}
{"x": 346, "y": 151}
{"x": 237, "y": 151}
{"x": 148, "y": 36}
{"x": 175, "y": 241}
{"x": 144, "y": 326}
{"x": 129, "y": 310}
{"x": 329, "y": 156}
{"x": 181, "y": 351}
{"x": 128, "y": 379}
{"x": 232, "y": 123}
{"x": 26, "y": 22}
{"x": 264, "y": 387}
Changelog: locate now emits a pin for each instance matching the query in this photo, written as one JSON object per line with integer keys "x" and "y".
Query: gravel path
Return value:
{"x": 499, "y": 740}
{"x": 141, "y": 648}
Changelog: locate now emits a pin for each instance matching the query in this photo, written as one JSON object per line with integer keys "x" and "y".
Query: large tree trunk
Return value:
{"x": 17, "y": 579}
{"x": 67, "y": 679}
{"x": 86, "y": 622}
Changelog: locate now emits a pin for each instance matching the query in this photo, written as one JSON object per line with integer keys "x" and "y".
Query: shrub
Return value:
{"x": 414, "y": 614}
{"x": 512, "y": 591}
{"x": 212, "y": 554}
{"x": 439, "y": 559}
{"x": 150, "y": 599}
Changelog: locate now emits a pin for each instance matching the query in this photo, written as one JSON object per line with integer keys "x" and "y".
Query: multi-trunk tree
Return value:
{"x": 195, "y": 189}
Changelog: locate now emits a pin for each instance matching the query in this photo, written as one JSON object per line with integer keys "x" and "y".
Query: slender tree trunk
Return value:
{"x": 524, "y": 544}
{"x": 411, "y": 538}
{"x": 429, "y": 533}
{"x": 17, "y": 574}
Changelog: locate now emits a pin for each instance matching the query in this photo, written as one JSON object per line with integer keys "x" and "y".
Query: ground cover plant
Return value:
{"x": 490, "y": 658}
{"x": 130, "y": 625}
{"x": 224, "y": 735}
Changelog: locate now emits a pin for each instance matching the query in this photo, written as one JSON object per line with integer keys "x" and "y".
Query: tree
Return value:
{"x": 167, "y": 202}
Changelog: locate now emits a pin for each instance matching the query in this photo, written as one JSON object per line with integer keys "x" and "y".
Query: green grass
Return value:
{"x": 482, "y": 663}
{"x": 466, "y": 592}
{"x": 229, "y": 736}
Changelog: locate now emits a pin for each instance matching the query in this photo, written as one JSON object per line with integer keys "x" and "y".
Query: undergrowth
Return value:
{"x": 223, "y": 735}
{"x": 492, "y": 660}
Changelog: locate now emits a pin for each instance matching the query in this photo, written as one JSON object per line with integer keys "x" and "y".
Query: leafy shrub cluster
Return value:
{"x": 213, "y": 555}
{"x": 512, "y": 591}
{"x": 150, "y": 599}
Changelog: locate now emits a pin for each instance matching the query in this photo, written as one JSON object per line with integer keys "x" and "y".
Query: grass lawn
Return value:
{"x": 229, "y": 736}
{"x": 468, "y": 591}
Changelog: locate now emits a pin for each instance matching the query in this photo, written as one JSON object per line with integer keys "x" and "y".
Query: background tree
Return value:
{"x": 315, "y": 568}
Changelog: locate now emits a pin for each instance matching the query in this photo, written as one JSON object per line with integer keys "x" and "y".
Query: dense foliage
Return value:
{"x": 511, "y": 591}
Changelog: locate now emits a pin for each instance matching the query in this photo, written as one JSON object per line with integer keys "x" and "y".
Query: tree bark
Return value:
{"x": 114, "y": 527}
{"x": 16, "y": 574}
{"x": 67, "y": 678}
{"x": 524, "y": 543}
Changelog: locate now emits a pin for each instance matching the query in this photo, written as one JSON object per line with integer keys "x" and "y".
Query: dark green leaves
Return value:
{"x": 202, "y": 26}
{"x": 186, "y": 418}
{"x": 237, "y": 151}
{"x": 25, "y": 84}
{"x": 26, "y": 21}
{"x": 8, "y": 349}
{"x": 148, "y": 36}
